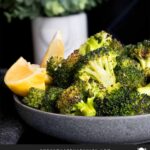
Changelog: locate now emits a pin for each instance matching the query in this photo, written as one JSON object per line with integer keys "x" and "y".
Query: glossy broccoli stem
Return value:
{"x": 87, "y": 109}
{"x": 144, "y": 90}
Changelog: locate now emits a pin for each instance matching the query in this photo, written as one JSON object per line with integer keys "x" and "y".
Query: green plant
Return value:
{"x": 32, "y": 8}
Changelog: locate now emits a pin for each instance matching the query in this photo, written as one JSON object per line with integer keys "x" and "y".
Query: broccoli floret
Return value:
{"x": 99, "y": 66}
{"x": 91, "y": 88}
{"x": 34, "y": 98}
{"x": 128, "y": 49}
{"x": 141, "y": 52}
{"x": 122, "y": 101}
{"x": 65, "y": 72}
{"x": 116, "y": 46}
{"x": 128, "y": 72}
{"x": 101, "y": 39}
{"x": 52, "y": 64}
{"x": 124, "y": 61}
{"x": 99, "y": 103}
{"x": 117, "y": 102}
{"x": 72, "y": 102}
{"x": 43, "y": 99}
{"x": 142, "y": 103}
{"x": 51, "y": 96}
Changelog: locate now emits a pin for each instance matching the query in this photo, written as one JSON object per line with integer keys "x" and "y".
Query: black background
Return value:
{"x": 127, "y": 20}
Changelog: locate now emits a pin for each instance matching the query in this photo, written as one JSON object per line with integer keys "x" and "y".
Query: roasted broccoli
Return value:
{"x": 99, "y": 66}
{"x": 122, "y": 101}
{"x": 129, "y": 73}
{"x": 92, "y": 88}
{"x": 64, "y": 74}
{"x": 101, "y": 39}
{"x": 141, "y": 51}
{"x": 72, "y": 101}
{"x": 66, "y": 68}
{"x": 34, "y": 98}
{"x": 101, "y": 78}
{"x": 52, "y": 64}
{"x": 51, "y": 96}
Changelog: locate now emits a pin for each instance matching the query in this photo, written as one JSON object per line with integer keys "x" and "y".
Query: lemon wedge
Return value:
{"x": 55, "y": 48}
{"x": 22, "y": 75}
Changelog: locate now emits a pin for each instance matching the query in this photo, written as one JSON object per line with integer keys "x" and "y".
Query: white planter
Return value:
{"x": 73, "y": 28}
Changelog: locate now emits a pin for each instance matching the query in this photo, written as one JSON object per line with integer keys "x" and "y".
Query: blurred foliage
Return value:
{"x": 32, "y": 8}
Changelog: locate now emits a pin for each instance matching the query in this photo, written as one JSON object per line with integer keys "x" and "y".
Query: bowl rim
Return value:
{"x": 16, "y": 99}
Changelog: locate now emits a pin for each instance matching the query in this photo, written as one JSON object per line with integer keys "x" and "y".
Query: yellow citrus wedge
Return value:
{"x": 55, "y": 48}
{"x": 48, "y": 79}
{"x": 22, "y": 75}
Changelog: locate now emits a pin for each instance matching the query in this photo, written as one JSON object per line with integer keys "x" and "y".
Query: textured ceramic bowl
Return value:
{"x": 78, "y": 129}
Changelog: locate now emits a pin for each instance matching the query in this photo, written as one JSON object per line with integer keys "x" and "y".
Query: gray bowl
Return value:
{"x": 79, "y": 129}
